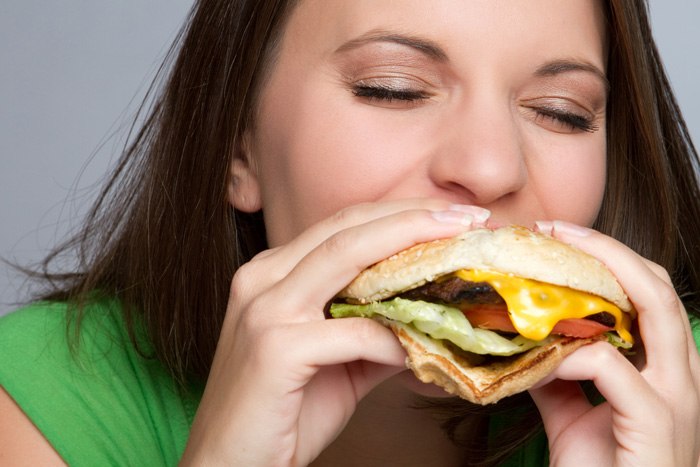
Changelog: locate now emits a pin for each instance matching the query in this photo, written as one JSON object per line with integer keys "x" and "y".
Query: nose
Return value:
{"x": 480, "y": 155}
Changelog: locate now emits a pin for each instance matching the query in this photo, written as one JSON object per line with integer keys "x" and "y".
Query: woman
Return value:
{"x": 320, "y": 137}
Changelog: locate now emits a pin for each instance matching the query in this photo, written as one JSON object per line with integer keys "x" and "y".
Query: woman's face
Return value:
{"x": 497, "y": 103}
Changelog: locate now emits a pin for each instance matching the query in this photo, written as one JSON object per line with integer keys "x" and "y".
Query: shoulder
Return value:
{"x": 29, "y": 323}
{"x": 46, "y": 340}
{"x": 93, "y": 395}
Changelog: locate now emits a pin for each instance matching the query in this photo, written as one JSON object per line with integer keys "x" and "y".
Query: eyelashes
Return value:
{"x": 566, "y": 119}
{"x": 388, "y": 94}
{"x": 547, "y": 115}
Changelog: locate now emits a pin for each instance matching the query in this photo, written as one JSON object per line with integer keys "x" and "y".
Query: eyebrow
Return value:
{"x": 428, "y": 48}
{"x": 557, "y": 67}
{"x": 436, "y": 52}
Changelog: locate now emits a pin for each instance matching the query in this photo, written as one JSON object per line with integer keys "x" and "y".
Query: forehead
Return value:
{"x": 573, "y": 28}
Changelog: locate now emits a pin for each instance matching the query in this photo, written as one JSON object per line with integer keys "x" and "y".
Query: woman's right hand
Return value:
{"x": 284, "y": 380}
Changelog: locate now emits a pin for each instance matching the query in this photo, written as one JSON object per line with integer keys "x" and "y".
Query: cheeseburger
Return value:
{"x": 489, "y": 313}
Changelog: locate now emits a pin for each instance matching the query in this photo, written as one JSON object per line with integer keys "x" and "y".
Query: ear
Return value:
{"x": 243, "y": 186}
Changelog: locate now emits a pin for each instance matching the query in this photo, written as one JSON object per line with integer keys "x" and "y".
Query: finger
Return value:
{"x": 343, "y": 341}
{"x": 339, "y": 259}
{"x": 657, "y": 269}
{"x": 286, "y": 257}
{"x": 564, "y": 233}
{"x": 660, "y": 313}
{"x": 693, "y": 359}
{"x": 560, "y": 403}
{"x": 288, "y": 356}
{"x": 561, "y": 417}
{"x": 269, "y": 266}
{"x": 653, "y": 413}
{"x": 614, "y": 377}
{"x": 662, "y": 273}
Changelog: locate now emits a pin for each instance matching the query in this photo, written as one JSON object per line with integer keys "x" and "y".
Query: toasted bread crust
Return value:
{"x": 433, "y": 362}
{"x": 511, "y": 250}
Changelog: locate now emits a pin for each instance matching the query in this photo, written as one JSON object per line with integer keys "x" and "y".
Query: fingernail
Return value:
{"x": 544, "y": 227}
{"x": 571, "y": 229}
{"x": 480, "y": 215}
{"x": 453, "y": 217}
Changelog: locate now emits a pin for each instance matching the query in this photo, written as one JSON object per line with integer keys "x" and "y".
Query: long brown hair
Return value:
{"x": 161, "y": 237}
{"x": 652, "y": 199}
{"x": 163, "y": 240}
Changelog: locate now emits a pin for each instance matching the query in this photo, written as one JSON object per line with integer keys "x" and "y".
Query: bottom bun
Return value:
{"x": 467, "y": 376}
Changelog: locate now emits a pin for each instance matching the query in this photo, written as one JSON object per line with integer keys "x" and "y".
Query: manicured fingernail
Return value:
{"x": 480, "y": 215}
{"x": 544, "y": 227}
{"x": 571, "y": 229}
{"x": 453, "y": 217}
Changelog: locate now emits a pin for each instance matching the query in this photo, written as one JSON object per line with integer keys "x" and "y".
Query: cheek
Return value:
{"x": 315, "y": 160}
{"x": 571, "y": 185}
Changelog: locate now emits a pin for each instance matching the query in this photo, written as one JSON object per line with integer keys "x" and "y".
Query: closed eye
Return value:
{"x": 568, "y": 120}
{"x": 387, "y": 94}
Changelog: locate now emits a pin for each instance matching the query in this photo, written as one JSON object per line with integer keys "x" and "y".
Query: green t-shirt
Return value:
{"x": 107, "y": 404}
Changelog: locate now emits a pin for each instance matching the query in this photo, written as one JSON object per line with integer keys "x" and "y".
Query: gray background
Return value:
{"x": 73, "y": 72}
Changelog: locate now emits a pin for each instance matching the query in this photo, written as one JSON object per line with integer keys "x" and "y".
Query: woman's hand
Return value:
{"x": 284, "y": 380}
{"x": 652, "y": 412}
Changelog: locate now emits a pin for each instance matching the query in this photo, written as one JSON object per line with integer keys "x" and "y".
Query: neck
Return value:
{"x": 387, "y": 429}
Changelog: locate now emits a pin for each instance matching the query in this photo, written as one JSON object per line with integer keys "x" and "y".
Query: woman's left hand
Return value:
{"x": 652, "y": 411}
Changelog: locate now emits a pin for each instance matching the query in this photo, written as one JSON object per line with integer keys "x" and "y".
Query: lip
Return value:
{"x": 496, "y": 224}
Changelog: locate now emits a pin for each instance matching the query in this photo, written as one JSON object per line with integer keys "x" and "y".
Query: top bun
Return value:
{"x": 511, "y": 250}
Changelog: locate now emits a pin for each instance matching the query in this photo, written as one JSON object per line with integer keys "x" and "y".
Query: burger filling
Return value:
{"x": 486, "y": 312}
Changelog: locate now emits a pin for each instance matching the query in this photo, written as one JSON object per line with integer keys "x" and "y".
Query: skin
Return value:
{"x": 479, "y": 123}
{"x": 476, "y": 139}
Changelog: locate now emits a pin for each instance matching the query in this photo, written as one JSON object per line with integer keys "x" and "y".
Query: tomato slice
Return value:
{"x": 496, "y": 319}
{"x": 492, "y": 317}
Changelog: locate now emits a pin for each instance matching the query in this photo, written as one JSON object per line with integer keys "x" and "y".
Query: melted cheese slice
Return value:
{"x": 535, "y": 307}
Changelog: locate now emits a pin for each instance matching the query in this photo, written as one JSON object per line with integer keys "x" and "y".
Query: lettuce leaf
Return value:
{"x": 439, "y": 322}
{"x": 617, "y": 341}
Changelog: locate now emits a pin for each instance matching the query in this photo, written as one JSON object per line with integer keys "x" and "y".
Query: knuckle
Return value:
{"x": 604, "y": 355}
{"x": 660, "y": 271}
{"x": 363, "y": 329}
{"x": 248, "y": 280}
{"x": 667, "y": 295}
{"x": 349, "y": 215}
{"x": 241, "y": 280}
{"x": 260, "y": 256}
{"x": 339, "y": 242}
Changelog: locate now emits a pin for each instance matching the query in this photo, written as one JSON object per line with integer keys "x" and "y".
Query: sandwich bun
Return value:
{"x": 511, "y": 250}
{"x": 514, "y": 252}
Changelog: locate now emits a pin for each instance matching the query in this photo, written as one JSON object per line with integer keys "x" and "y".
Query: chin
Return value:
{"x": 408, "y": 380}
